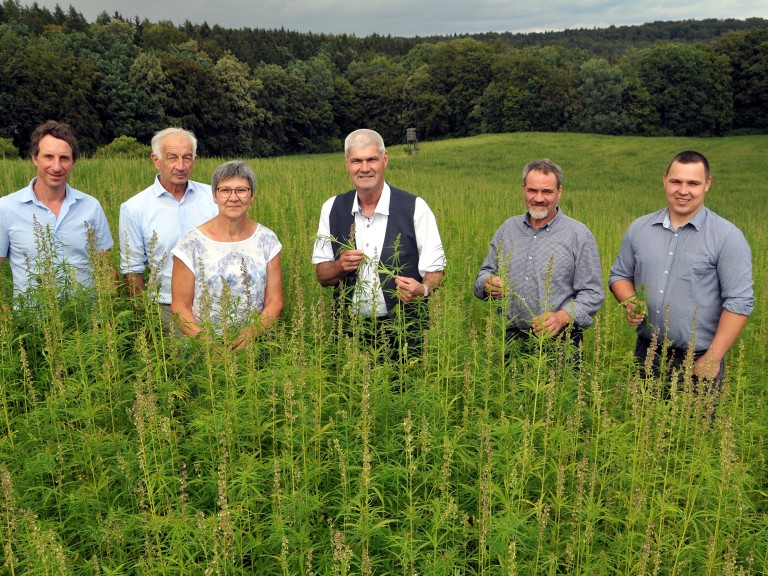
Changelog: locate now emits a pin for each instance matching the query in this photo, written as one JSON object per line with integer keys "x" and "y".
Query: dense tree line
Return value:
{"x": 256, "y": 92}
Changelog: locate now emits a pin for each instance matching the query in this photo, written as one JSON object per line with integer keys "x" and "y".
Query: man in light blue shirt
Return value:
{"x": 696, "y": 269}
{"x": 49, "y": 229}
{"x": 153, "y": 221}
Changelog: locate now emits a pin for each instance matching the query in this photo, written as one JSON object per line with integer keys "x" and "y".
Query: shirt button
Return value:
{"x": 666, "y": 272}
{"x": 671, "y": 253}
{"x": 661, "y": 291}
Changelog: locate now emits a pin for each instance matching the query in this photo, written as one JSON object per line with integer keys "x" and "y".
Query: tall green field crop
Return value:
{"x": 127, "y": 451}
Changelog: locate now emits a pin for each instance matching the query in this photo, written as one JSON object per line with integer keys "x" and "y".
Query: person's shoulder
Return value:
{"x": 19, "y": 195}
{"x": 573, "y": 223}
{"x": 138, "y": 199}
{"x": 650, "y": 218}
{"x": 84, "y": 198}
{"x": 12, "y": 197}
{"x": 721, "y": 226}
{"x": 396, "y": 190}
{"x": 6, "y": 200}
{"x": 713, "y": 217}
{"x": 511, "y": 225}
{"x": 341, "y": 195}
{"x": 193, "y": 236}
{"x": 266, "y": 232}
{"x": 92, "y": 207}
{"x": 341, "y": 198}
{"x": 11, "y": 206}
{"x": 407, "y": 200}
{"x": 199, "y": 186}
{"x": 401, "y": 195}
{"x": 515, "y": 221}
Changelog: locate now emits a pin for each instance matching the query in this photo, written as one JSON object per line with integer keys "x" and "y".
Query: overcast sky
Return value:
{"x": 411, "y": 18}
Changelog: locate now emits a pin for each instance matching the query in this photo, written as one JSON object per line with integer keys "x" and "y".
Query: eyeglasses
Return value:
{"x": 225, "y": 193}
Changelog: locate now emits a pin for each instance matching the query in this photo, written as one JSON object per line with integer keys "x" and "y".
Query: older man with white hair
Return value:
{"x": 379, "y": 245}
{"x": 153, "y": 221}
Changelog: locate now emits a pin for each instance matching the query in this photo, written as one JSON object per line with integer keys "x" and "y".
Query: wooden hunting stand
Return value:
{"x": 411, "y": 140}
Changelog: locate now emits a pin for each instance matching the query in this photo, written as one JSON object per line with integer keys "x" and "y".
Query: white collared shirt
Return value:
{"x": 369, "y": 238}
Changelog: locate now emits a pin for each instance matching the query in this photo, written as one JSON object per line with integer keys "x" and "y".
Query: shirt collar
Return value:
{"x": 382, "y": 207}
{"x": 697, "y": 221}
{"x": 527, "y": 219}
{"x": 28, "y": 194}
{"x": 159, "y": 189}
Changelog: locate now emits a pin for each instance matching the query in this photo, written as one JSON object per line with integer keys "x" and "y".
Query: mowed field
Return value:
{"x": 124, "y": 451}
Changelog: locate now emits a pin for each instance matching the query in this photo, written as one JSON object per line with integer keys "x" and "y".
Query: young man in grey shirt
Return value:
{"x": 696, "y": 269}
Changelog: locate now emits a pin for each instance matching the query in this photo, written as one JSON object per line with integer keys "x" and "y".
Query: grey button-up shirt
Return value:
{"x": 690, "y": 274}
{"x": 556, "y": 267}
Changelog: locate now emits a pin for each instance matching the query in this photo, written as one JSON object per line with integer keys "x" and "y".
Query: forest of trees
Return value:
{"x": 255, "y": 92}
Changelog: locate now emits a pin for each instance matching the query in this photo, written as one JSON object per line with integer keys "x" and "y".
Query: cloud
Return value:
{"x": 411, "y": 18}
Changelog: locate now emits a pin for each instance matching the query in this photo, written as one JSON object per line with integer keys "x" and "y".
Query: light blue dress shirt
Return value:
{"x": 690, "y": 274}
{"x": 153, "y": 222}
{"x": 27, "y": 226}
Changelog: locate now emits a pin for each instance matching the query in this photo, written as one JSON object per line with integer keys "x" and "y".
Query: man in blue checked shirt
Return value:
{"x": 546, "y": 264}
{"x": 696, "y": 269}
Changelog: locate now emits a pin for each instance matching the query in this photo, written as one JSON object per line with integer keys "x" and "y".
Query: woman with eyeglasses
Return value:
{"x": 227, "y": 273}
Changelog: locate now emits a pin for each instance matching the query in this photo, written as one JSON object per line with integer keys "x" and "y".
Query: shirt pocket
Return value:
{"x": 697, "y": 269}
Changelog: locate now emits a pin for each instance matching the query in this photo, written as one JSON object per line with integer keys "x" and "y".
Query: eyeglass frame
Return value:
{"x": 227, "y": 195}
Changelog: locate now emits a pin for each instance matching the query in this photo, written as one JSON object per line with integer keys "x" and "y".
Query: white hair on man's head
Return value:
{"x": 159, "y": 137}
{"x": 362, "y": 138}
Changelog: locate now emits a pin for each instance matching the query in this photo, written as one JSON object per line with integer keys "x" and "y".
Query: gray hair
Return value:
{"x": 234, "y": 169}
{"x": 546, "y": 166}
{"x": 362, "y": 138}
{"x": 159, "y": 137}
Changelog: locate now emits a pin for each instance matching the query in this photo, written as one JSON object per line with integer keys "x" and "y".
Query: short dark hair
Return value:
{"x": 690, "y": 157}
{"x": 57, "y": 130}
{"x": 234, "y": 169}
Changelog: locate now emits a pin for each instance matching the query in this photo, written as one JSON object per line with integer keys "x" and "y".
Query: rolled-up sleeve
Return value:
{"x": 323, "y": 248}
{"x": 624, "y": 266}
{"x": 490, "y": 266}
{"x": 734, "y": 269}
{"x": 431, "y": 253}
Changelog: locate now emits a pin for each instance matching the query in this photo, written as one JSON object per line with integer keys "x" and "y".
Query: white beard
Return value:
{"x": 538, "y": 213}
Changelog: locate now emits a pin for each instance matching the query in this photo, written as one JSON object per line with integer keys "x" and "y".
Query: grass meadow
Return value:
{"x": 125, "y": 451}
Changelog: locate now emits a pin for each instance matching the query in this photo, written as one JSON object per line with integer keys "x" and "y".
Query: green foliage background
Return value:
{"x": 125, "y": 451}
{"x": 257, "y": 93}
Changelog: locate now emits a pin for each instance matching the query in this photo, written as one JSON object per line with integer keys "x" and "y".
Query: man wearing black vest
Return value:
{"x": 380, "y": 248}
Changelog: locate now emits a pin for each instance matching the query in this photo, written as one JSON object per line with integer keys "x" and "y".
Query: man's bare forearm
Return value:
{"x": 332, "y": 272}
{"x": 433, "y": 280}
{"x": 134, "y": 283}
{"x": 329, "y": 273}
